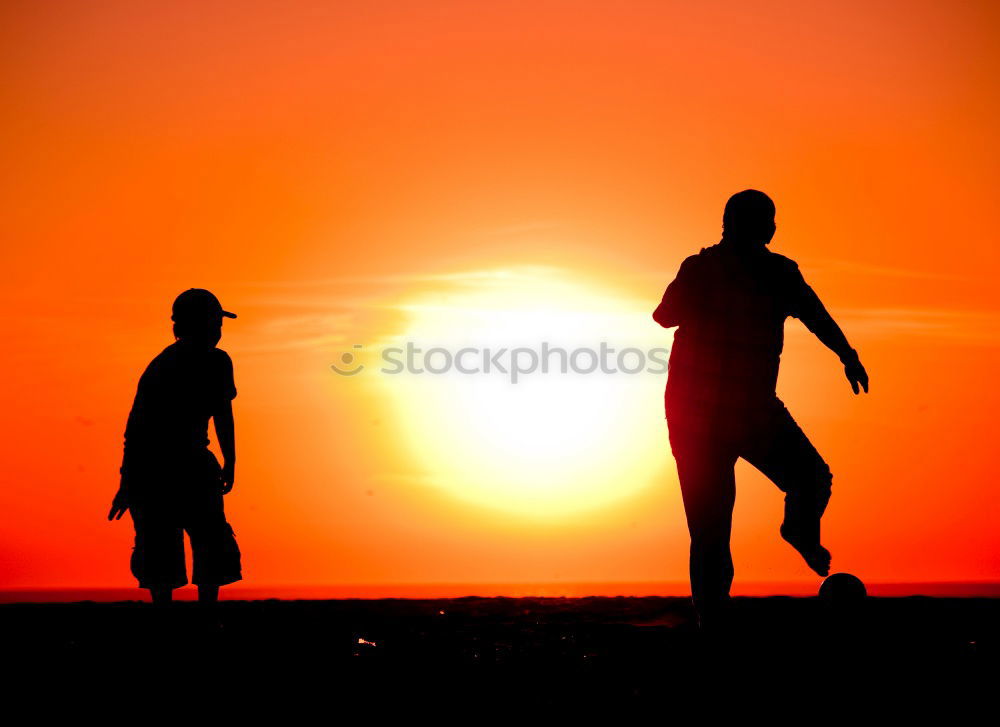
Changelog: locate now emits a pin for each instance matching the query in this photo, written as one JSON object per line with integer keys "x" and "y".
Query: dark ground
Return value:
{"x": 500, "y": 654}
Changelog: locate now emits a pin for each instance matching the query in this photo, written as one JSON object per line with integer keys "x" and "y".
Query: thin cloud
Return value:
{"x": 938, "y": 323}
{"x": 526, "y": 228}
{"x": 328, "y": 313}
{"x": 858, "y": 268}
{"x": 847, "y": 267}
{"x": 467, "y": 277}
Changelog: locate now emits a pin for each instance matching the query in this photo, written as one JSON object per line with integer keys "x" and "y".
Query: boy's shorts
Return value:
{"x": 183, "y": 498}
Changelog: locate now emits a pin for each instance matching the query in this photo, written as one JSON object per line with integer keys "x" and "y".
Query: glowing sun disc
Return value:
{"x": 553, "y": 443}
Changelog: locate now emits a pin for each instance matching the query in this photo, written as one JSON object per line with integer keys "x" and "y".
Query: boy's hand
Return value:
{"x": 227, "y": 478}
{"x": 118, "y": 506}
{"x": 856, "y": 374}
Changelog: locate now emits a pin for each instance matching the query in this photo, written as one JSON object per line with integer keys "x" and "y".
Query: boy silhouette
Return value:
{"x": 729, "y": 303}
{"x": 170, "y": 481}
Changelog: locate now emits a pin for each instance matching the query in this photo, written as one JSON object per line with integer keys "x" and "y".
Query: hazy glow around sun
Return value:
{"x": 551, "y": 444}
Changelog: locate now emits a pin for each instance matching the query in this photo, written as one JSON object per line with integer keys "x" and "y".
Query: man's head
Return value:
{"x": 197, "y": 317}
{"x": 748, "y": 219}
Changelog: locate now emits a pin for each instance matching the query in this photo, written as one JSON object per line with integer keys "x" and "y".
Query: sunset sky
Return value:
{"x": 350, "y": 174}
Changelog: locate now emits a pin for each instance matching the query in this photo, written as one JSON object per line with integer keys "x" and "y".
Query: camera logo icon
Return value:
{"x": 347, "y": 366}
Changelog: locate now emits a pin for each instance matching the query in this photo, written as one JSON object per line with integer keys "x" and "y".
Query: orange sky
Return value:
{"x": 320, "y": 166}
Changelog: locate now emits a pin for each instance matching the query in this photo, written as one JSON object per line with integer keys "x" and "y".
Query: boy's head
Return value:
{"x": 749, "y": 218}
{"x": 197, "y": 317}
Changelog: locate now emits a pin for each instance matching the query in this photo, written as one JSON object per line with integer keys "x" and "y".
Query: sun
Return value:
{"x": 530, "y": 391}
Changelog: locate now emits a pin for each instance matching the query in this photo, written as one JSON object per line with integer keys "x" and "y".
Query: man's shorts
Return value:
{"x": 168, "y": 503}
{"x": 707, "y": 442}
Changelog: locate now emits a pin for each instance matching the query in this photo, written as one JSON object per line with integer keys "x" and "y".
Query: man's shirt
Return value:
{"x": 180, "y": 390}
{"x": 729, "y": 305}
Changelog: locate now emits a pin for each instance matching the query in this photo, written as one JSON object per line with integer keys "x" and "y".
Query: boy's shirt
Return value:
{"x": 178, "y": 393}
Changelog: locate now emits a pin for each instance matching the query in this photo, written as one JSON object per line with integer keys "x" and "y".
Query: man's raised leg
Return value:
{"x": 781, "y": 450}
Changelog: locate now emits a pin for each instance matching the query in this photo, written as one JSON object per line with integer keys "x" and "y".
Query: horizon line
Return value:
{"x": 450, "y": 590}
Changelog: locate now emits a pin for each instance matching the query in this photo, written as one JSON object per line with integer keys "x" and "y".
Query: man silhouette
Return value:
{"x": 170, "y": 480}
{"x": 729, "y": 303}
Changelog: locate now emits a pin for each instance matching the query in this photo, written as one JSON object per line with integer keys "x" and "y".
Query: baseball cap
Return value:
{"x": 197, "y": 303}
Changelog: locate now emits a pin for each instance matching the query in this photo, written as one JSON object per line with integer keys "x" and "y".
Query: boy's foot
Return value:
{"x": 815, "y": 555}
{"x": 208, "y": 595}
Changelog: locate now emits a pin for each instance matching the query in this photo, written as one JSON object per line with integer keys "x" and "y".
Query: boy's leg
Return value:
{"x": 162, "y": 596}
{"x": 781, "y": 450}
{"x": 213, "y": 548}
{"x": 158, "y": 556}
{"x": 208, "y": 594}
{"x": 708, "y": 488}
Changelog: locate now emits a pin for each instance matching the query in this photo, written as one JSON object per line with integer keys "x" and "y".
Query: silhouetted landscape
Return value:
{"x": 506, "y": 651}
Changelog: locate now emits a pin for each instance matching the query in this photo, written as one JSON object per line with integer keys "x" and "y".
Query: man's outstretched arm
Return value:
{"x": 808, "y": 308}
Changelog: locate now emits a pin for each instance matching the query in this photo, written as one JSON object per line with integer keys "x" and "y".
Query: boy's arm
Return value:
{"x": 673, "y": 306}
{"x": 808, "y": 308}
{"x": 120, "y": 503}
{"x": 226, "y": 434}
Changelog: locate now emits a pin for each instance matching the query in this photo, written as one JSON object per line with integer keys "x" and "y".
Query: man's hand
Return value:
{"x": 856, "y": 374}
{"x": 227, "y": 478}
{"x": 118, "y": 506}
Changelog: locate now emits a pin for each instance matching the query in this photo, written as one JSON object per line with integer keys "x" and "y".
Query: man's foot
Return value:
{"x": 815, "y": 555}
